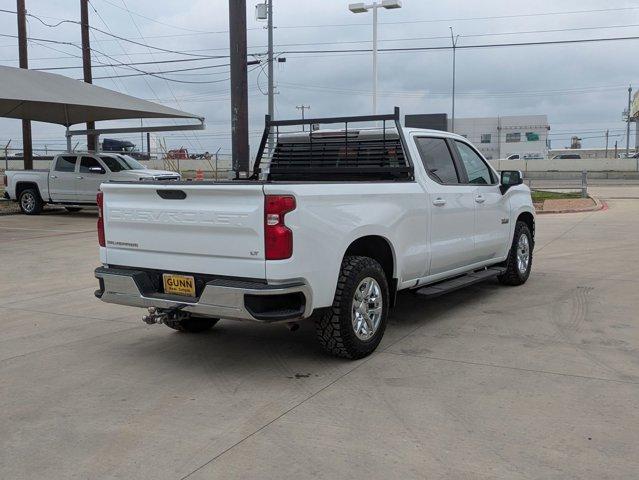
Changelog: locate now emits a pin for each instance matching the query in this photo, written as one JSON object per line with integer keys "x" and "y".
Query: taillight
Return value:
{"x": 100, "y": 201}
{"x": 5, "y": 180}
{"x": 278, "y": 238}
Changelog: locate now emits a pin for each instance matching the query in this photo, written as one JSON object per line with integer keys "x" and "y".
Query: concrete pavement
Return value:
{"x": 539, "y": 381}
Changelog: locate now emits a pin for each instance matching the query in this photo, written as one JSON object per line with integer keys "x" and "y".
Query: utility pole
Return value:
{"x": 628, "y": 121}
{"x": 27, "y": 147}
{"x": 303, "y": 108}
{"x": 86, "y": 62}
{"x": 271, "y": 86}
{"x": 453, "y": 39}
{"x": 239, "y": 87}
{"x": 607, "y": 135}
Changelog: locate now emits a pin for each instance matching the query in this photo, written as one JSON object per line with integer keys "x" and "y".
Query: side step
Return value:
{"x": 456, "y": 283}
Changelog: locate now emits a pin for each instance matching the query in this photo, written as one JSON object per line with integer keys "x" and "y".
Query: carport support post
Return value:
{"x": 27, "y": 147}
{"x": 239, "y": 87}
{"x": 68, "y": 135}
{"x": 86, "y": 62}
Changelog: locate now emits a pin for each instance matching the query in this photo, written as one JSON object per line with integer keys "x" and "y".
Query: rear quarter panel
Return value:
{"x": 329, "y": 217}
{"x": 39, "y": 178}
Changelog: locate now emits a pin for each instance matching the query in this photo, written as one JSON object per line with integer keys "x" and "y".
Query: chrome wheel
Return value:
{"x": 28, "y": 202}
{"x": 366, "y": 312}
{"x": 523, "y": 254}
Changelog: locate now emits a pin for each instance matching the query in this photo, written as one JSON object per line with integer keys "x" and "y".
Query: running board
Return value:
{"x": 459, "y": 282}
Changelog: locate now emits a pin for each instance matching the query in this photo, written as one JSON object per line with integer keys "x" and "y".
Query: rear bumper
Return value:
{"x": 220, "y": 298}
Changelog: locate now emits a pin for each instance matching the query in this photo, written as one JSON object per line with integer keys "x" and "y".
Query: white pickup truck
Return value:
{"x": 74, "y": 179}
{"x": 330, "y": 228}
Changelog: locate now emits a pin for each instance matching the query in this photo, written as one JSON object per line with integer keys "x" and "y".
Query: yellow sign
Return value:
{"x": 179, "y": 285}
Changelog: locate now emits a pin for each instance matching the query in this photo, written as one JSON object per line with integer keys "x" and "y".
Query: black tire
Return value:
{"x": 30, "y": 201}
{"x": 334, "y": 326}
{"x": 192, "y": 324}
{"x": 73, "y": 209}
{"x": 513, "y": 274}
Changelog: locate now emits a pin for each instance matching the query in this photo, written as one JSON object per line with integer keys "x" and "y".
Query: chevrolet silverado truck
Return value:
{"x": 74, "y": 179}
{"x": 329, "y": 227}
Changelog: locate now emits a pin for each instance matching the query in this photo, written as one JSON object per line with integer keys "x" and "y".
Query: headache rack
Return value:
{"x": 345, "y": 154}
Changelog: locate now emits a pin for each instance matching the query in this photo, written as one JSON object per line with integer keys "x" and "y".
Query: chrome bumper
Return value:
{"x": 220, "y": 298}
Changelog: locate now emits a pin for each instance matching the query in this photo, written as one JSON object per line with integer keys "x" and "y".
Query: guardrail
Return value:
{"x": 580, "y": 185}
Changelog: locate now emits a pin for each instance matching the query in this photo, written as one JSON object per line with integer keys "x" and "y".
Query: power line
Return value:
{"x": 448, "y": 47}
{"x": 110, "y": 34}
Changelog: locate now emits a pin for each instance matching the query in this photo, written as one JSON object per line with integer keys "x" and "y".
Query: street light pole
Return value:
{"x": 271, "y": 87}
{"x": 363, "y": 8}
{"x": 454, "y": 39}
{"x": 628, "y": 121}
{"x": 375, "y": 59}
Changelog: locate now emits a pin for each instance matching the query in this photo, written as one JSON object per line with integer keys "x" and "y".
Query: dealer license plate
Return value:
{"x": 179, "y": 284}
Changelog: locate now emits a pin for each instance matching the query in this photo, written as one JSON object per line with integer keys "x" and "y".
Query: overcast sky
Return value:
{"x": 581, "y": 87}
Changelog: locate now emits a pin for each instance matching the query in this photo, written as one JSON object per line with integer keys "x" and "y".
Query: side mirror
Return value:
{"x": 96, "y": 170}
{"x": 510, "y": 178}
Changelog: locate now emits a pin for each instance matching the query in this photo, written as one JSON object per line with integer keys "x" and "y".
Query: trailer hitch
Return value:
{"x": 158, "y": 315}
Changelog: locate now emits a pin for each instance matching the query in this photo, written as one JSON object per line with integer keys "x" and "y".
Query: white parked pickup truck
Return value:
{"x": 329, "y": 228}
{"x": 74, "y": 179}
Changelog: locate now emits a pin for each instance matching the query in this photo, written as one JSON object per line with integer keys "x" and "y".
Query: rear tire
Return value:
{"x": 30, "y": 202}
{"x": 73, "y": 209}
{"x": 192, "y": 324}
{"x": 520, "y": 257}
{"x": 354, "y": 325}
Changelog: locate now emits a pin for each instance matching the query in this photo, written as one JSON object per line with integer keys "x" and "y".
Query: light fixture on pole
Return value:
{"x": 363, "y": 8}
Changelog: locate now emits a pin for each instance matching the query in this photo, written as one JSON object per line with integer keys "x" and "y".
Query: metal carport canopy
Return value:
{"x": 47, "y": 97}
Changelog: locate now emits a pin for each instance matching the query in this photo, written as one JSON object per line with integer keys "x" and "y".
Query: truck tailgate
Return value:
{"x": 213, "y": 229}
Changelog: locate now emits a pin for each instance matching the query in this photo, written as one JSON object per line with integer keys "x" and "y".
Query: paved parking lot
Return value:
{"x": 539, "y": 381}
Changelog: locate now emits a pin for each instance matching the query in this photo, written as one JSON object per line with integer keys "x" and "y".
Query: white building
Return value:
{"x": 501, "y": 137}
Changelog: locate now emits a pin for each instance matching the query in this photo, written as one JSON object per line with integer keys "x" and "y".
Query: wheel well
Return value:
{"x": 22, "y": 186}
{"x": 378, "y": 249}
{"x": 529, "y": 220}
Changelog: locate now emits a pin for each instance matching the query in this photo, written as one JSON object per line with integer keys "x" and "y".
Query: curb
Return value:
{"x": 599, "y": 205}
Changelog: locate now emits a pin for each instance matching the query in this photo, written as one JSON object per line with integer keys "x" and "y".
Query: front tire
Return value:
{"x": 354, "y": 325}
{"x": 519, "y": 261}
{"x": 192, "y": 324}
{"x": 30, "y": 202}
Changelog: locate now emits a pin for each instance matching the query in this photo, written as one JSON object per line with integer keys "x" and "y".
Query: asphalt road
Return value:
{"x": 539, "y": 381}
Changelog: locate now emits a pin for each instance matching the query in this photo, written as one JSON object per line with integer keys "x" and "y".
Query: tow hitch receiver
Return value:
{"x": 157, "y": 315}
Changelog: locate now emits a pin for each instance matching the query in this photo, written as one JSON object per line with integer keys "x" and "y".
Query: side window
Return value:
{"x": 112, "y": 163}
{"x": 65, "y": 163}
{"x": 437, "y": 159}
{"x": 476, "y": 169}
{"x": 89, "y": 162}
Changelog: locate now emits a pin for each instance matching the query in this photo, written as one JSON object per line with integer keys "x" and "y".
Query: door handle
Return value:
{"x": 79, "y": 178}
{"x": 479, "y": 199}
{"x": 54, "y": 176}
{"x": 439, "y": 202}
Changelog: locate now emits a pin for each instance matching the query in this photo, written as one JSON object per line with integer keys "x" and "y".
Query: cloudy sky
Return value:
{"x": 581, "y": 87}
